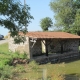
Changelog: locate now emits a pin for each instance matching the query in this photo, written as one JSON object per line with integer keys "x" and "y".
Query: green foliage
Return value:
{"x": 18, "y": 55}
{"x": 6, "y": 70}
{"x": 6, "y": 73}
{"x": 14, "y": 16}
{"x": 46, "y": 23}
{"x": 6, "y": 57}
{"x": 19, "y": 38}
{"x": 67, "y": 15}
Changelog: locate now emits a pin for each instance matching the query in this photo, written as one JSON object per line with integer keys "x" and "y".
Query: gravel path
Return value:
{"x": 3, "y": 41}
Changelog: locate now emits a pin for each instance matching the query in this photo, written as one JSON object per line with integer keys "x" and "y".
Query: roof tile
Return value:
{"x": 56, "y": 35}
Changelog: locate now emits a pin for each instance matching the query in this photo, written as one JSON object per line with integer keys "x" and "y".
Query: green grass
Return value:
{"x": 33, "y": 71}
{"x": 4, "y": 53}
{"x": 73, "y": 67}
{"x": 4, "y": 48}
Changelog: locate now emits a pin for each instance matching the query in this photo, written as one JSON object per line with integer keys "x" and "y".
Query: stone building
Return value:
{"x": 47, "y": 44}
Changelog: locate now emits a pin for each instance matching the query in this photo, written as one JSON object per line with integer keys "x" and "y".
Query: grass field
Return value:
{"x": 4, "y": 48}
{"x": 33, "y": 71}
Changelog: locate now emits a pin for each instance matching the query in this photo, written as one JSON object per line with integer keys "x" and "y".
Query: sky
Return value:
{"x": 39, "y": 9}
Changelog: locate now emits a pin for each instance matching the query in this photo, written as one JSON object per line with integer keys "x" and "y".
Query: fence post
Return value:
{"x": 44, "y": 74}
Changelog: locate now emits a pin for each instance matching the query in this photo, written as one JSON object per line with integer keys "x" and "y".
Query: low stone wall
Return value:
{"x": 22, "y": 47}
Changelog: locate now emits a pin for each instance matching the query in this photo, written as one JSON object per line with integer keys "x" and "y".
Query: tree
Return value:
{"x": 15, "y": 17}
{"x": 67, "y": 15}
{"x": 46, "y": 23}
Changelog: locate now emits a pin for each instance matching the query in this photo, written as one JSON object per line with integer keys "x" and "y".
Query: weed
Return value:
{"x": 6, "y": 72}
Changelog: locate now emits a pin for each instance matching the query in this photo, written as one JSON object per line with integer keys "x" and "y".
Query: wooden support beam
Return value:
{"x": 61, "y": 42}
{"x": 46, "y": 45}
{"x": 61, "y": 48}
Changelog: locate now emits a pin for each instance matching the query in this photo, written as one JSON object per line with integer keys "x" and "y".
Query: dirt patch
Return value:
{"x": 16, "y": 61}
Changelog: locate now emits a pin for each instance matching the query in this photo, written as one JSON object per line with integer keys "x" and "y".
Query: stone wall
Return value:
{"x": 35, "y": 48}
{"x": 72, "y": 45}
{"x": 54, "y": 46}
{"x": 68, "y": 46}
{"x": 22, "y": 47}
{"x": 32, "y": 49}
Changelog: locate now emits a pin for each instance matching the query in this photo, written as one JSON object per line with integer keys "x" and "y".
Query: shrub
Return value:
{"x": 6, "y": 72}
{"x": 4, "y": 62}
{"x": 19, "y": 55}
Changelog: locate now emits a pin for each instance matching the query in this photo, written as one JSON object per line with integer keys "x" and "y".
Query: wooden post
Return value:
{"x": 46, "y": 47}
{"x": 44, "y": 74}
{"x": 61, "y": 48}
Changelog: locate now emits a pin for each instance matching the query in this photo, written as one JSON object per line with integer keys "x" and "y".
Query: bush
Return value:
{"x": 19, "y": 55}
{"x": 6, "y": 72}
{"x": 4, "y": 62}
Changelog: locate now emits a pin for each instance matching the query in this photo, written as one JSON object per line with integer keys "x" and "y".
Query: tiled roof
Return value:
{"x": 55, "y": 35}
